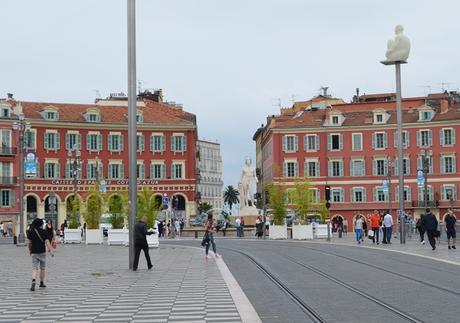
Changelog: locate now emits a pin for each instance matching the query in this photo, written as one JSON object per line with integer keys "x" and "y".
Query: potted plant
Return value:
{"x": 321, "y": 229}
{"x": 276, "y": 201}
{"x": 118, "y": 234}
{"x": 148, "y": 206}
{"x": 92, "y": 218}
{"x": 303, "y": 199}
{"x": 72, "y": 234}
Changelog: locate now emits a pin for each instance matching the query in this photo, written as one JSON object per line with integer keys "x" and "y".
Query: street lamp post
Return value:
{"x": 21, "y": 126}
{"x": 426, "y": 168}
{"x": 74, "y": 160}
{"x": 389, "y": 165}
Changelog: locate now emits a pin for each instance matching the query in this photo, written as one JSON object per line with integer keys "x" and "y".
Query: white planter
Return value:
{"x": 118, "y": 237}
{"x": 72, "y": 235}
{"x": 278, "y": 232}
{"x": 152, "y": 240}
{"x": 302, "y": 232}
{"x": 320, "y": 231}
{"x": 94, "y": 236}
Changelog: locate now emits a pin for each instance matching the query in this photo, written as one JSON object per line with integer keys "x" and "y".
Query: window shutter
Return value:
{"x": 37, "y": 164}
{"x": 375, "y": 193}
{"x": 340, "y": 142}
{"x": 305, "y": 169}
{"x": 317, "y": 169}
{"x": 341, "y": 168}
{"x": 12, "y": 198}
{"x": 418, "y": 138}
{"x": 173, "y": 173}
{"x": 88, "y": 170}
{"x": 453, "y": 136}
{"x": 285, "y": 169}
{"x": 58, "y": 171}
{"x": 79, "y": 141}
{"x": 121, "y": 142}
{"x": 430, "y": 138}
{"x": 163, "y": 171}
{"x": 395, "y": 139}
{"x": 373, "y": 140}
{"x": 352, "y": 164}
{"x": 305, "y": 143}
{"x": 296, "y": 169}
{"x": 58, "y": 144}
{"x": 454, "y": 162}
{"x": 317, "y": 142}
{"x": 67, "y": 141}
{"x": 296, "y": 144}
{"x": 184, "y": 143}
{"x": 407, "y": 166}
{"x": 88, "y": 142}
{"x": 443, "y": 164}
{"x": 407, "y": 142}
{"x": 142, "y": 171}
{"x": 284, "y": 143}
{"x": 142, "y": 143}
{"x": 385, "y": 140}
{"x": 45, "y": 169}
{"x": 110, "y": 171}
{"x": 441, "y": 137}
{"x": 46, "y": 142}
{"x": 330, "y": 167}
{"x": 329, "y": 142}
{"x": 99, "y": 142}
{"x": 364, "y": 194}
{"x": 122, "y": 171}
{"x": 374, "y": 167}
{"x": 109, "y": 142}
{"x": 67, "y": 170}
{"x": 396, "y": 166}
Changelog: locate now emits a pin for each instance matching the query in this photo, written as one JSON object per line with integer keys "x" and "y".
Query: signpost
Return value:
{"x": 420, "y": 178}
{"x": 385, "y": 186}
{"x": 31, "y": 165}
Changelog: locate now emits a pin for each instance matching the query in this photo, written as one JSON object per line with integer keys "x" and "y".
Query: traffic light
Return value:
{"x": 327, "y": 190}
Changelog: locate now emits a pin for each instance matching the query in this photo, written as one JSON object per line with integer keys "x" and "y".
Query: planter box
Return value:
{"x": 118, "y": 237}
{"x": 278, "y": 232}
{"x": 72, "y": 235}
{"x": 94, "y": 236}
{"x": 153, "y": 241}
{"x": 320, "y": 231}
{"x": 302, "y": 232}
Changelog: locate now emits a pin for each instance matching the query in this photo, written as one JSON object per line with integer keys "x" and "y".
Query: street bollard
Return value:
{"x": 196, "y": 234}
{"x": 328, "y": 231}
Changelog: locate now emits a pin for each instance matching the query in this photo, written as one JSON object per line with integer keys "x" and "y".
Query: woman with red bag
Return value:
{"x": 51, "y": 233}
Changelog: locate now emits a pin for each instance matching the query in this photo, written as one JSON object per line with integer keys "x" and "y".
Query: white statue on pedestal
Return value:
{"x": 245, "y": 184}
{"x": 399, "y": 48}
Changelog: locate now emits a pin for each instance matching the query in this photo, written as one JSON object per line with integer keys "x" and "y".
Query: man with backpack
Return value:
{"x": 430, "y": 223}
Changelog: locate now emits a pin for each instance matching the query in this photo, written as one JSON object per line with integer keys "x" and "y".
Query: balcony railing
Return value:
{"x": 8, "y": 151}
{"x": 9, "y": 180}
{"x": 421, "y": 203}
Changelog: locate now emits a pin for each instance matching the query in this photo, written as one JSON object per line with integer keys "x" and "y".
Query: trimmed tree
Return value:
{"x": 118, "y": 210}
{"x": 73, "y": 208}
{"x": 93, "y": 211}
{"x": 302, "y": 198}
{"x": 277, "y": 204}
{"x": 147, "y": 206}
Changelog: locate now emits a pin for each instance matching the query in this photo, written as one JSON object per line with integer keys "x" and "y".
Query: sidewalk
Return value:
{"x": 93, "y": 284}
{"x": 412, "y": 247}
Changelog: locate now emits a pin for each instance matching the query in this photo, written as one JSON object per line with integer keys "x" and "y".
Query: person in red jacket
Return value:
{"x": 375, "y": 225}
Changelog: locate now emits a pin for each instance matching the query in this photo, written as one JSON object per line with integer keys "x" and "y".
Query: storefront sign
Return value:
{"x": 107, "y": 182}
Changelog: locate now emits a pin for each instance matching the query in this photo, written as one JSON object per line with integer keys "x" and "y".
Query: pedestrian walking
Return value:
{"x": 160, "y": 229}
{"x": 177, "y": 224}
{"x": 421, "y": 229}
{"x": 2, "y": 230}
{"x": 450, "y": 221}
{"x": 209, "y": 236}
{"x": 259, "y": 227}
{"x": 388, "y": 225}
{"x": 430, "y": 223}
{"x": 238, "y": 227}
{"x": 38, "y": 242}
{"x": 10, "y": 229}
{"x": 364, "y": 228}
{"x": 359, "y": 228}
{"x": 375, "y": 226}
{"x": 140, "y": 242}
{"x": 224, "y": 227}
{"x": 242, "y": 227}
{"x": 51, "y": 233}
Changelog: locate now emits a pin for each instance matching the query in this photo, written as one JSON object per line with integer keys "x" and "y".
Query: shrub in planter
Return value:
{"x": 147, "y": 206}
{"x": 118, "y": 210}
{"x": 277, "y": 203}
{"x": 92, "y": 215}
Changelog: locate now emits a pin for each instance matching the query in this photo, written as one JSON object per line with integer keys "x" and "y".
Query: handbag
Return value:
{"x": 370, "y": 234}
{"x": 205, "y": 239}
{"x": 30, "y": 242}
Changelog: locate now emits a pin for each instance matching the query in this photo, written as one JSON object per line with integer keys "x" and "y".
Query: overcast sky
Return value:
{"x": 226, "y": 61}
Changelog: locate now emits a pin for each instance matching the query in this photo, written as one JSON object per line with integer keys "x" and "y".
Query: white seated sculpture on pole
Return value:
{"x": 398, "y": 49}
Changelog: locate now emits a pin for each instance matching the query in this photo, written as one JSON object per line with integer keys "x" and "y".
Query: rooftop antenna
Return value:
{"x": 443, "y": 86}
{"x": 97, "y": 94}
{"x": 278, "y": 103}
{"x": 425, "y": 88}
{"x": 293, "y": 98}
{"x": 139, "y": 86}
{"x": 324, "y": 90}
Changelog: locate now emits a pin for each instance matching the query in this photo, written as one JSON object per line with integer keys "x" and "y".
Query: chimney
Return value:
{"x": 444, "y": 106}
{"x": 10, "y": 96}
{"x": 158, "y": 96}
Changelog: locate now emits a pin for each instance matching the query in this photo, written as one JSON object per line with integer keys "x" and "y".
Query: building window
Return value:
{"x": 337, "y": 195}
{"x": 311, "y": 168}
{"x": 311, "y": 142}
{"x": 405, "y": 136}
{"x": 425, "y": 115}
{"x": 448, "y": 192}
{"x": 7, "y": 197}
{"x": 429, "y": 160}
{"x": 335, "y": 142}
{"x": 157, "y": 171}
{"x": 407, "y": 193}
{"x": 357, "y": 141}
{"x": 379, "y": 118}
{"x": 335, "y": 168}
{"x": 72, "y": 140}
{"x": 94, "y": 142}
{"x": 52, "y": 170}
{"x": 447, "y": 137}
{"x": 406, "y": 166}
{"x": 380, "y": 195}
{"x": 290, "y": 143}
{"x": 421, "y": 194}
{"x": 116, "y": 171}
{"x": 379, "y": 167}
{"x": 358, "y": 194}
{"x": 358, "y": 167}
{"x": 379, "y": 140}
{"x": 157, "y": 143}
{"x": 139, "y": 118}
{"x": 51, "y": 141}
{"x": 140, "y": 171}
{"x": 115, "y": 142}
{"x": 335, "y": 120}
{"x": 290, "y": 169}
{"x": 51, "y": 115}
{"x": 424, "y": 138}
{"x": 92, "y": 172}
{"x": 92, "y": 117}
{"x": 178, "y": 143}
{"x": 5, "y": 112}
{"x": 448, "y": 164}
{"x": 176, "y": 171}
{"x": 140, "y": 144}
{"x": 29, "y": 139}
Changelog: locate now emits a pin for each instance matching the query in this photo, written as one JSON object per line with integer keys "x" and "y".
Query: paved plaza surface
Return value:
{"x": 93, "y": 284}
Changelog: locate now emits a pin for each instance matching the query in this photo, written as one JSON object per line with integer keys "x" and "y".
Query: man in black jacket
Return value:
{"x": 430, "y": 223}
{"x": 140, "y": 242}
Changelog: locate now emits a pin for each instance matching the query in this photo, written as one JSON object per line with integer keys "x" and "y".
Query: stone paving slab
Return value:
{"x": 93, "y": 284}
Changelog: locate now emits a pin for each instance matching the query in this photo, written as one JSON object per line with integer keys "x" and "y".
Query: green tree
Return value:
{"x": 73, "y": 209}
{"x": 302, "y": 198}
{"x": 92, "y": 215}
{"x": 231, "y": 196}
{"x": 277, "y": 204}
{"x": 204, "y": 207}
{"x": 323, "y": 211}
{"x": 147, "y": 206}
{"x": 118, "y": 210}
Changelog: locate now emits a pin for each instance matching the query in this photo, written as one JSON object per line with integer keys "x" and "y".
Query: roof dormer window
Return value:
{"x": 425, "y": 115}
{"x": 5, "y": 112}
{"x": 51, "y": 115}
{"x": 92, "y": 116}
{"x": 335, "y": 120}
{"x": 139, "y": 118}
{"x": 379, "y": 118}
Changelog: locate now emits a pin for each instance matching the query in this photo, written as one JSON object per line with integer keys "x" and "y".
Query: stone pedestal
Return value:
{"x": 249, "y": 214}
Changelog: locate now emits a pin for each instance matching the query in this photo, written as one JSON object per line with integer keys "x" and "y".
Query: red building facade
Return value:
{"x": 351, "y": 147}
{"x": 166, "y": 152}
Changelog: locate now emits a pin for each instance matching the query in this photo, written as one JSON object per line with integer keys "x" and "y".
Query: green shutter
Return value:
{"x": 46, "y": 142}
{"x": 67, "y": 141}
{"x": 38, "y": 169}
{"x": 12, "y": 200}
{"x": 57, "y": 174}
{"x": 88, "y": 142}
{"x": 121, "y": 142}
{"x": 110, "y": 172}
{"x": 284, "y": 143}
{"x": 67, "y": 170}
{"x": 163, "y": 143}
{"x": 122, "y": 171}
{"x": 109, "y": 142}
{"x": 163, "y": 171}
{"x": 184, "y": 144}
{"x": 172, "y": 143}
{"x": 79, "y": 141}
{"x": 142, "y": 143}
{"x": 58, "y": 143}
{"x": 99, "y": 142}
{"x": 340, "y": 142}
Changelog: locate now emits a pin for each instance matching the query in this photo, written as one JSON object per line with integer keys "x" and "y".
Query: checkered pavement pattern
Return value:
{"x": 93, "y": 284}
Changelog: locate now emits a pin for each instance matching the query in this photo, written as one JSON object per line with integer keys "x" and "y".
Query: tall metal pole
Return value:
{"x": 425, "y": 183}
{"x": 390, "y": 208}
{"x": 402, "y": 230}
{"x": 132, "y": 131}
{"x": 21, "y": 237}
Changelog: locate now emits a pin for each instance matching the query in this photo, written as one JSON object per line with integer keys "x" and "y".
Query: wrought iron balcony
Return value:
{"x": 9, "y": 180}
{"x": 8, "y": 151}
{"x": 421, "y": 203}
